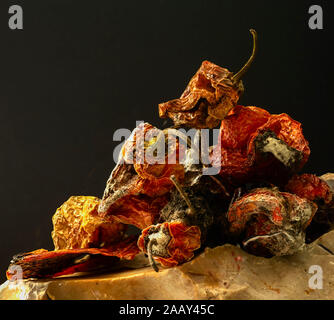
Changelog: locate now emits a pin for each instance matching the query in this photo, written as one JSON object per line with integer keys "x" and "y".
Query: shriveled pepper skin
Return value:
{"x": 209, "y": 96}
{"x": 311, "y": 187}
{"x": 211, "y": 93}
{"x": 153, "y": 172}
{"x": 185, "y": 222}
{"x": 140, "y": 211}
{"x": 83, "y": 242}
{"x": 270, "y": 222}
{"x": 51, "y": 264}
{"x": 319, "y": 190}
{"x": 258, "y": 146}
{"x": 181, "y": 242}
{"x": 137, "y": 189}
{"x": 76, "y": 225}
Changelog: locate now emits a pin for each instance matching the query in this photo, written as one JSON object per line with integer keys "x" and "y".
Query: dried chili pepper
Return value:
{"x": 320, "y": 191}
{"x": 138, "y": 188}
{"x": 185, "y": 222}
{"x": 154, "y": 169}
{"x": 310, "y": 187}
{"x": 137, "y": 171}
{"x": 50, "y": 264}
{"x": 270, "y": 222}
{"x": 211, "y": 93}
{"x": 257, "y": 146}
{"x": 83, "y": 242}
{"x": 171, "y": 243}
{"x": 140, "y": 211}
{"x": 282, "y": 137}
{"x": 76, "y": 224}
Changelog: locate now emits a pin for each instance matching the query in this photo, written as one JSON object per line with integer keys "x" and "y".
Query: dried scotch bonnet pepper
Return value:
{"x": 76, "y": 224}
{"x": 311, "y": 187}
{"x": 319, "y": 190}
{"x": 83, "y": 242}
{"x": 211, "y": 93}
{"x": 257, "y": 146}
{"x": 270, "y": 222}
{"x": 184, "y": 224}
{"x": 139, "y": 188}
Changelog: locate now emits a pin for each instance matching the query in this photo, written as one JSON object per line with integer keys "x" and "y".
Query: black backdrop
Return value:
{"x": 82, "y": 69}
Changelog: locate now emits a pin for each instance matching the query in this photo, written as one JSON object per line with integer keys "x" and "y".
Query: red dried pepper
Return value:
{"x": 258, "y": 146}
{"x": 320, "y": 190}
{"x": 271, "y": 222}
{"x": 310, "y": 187}
{"x": 186, "y": 220}
{"x": 50, "y": 264}
{"x": 175, "y": 242}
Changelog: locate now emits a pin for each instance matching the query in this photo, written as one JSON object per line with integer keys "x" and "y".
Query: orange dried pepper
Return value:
{"x": 138, "y": 188}
{"x": 211, "y": 93}
{"x": 153, "y": 169}
{"x": 140, "y": 211}
{"x": 76, "y": 224}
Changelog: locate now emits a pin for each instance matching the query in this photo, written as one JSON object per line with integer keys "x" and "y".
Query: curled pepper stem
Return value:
{"x": 150, "y": 256}
{"x": 183, "y": 194}
{"x": 245, "y": 68}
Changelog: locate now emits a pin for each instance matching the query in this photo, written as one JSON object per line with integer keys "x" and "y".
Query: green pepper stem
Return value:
{"x": 245, "y": 68}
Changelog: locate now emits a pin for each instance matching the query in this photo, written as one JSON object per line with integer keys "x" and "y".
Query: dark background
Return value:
{"x": 82, "y": 69}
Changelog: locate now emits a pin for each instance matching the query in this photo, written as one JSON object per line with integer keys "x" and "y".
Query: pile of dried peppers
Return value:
{"x": 258, "y": 200}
